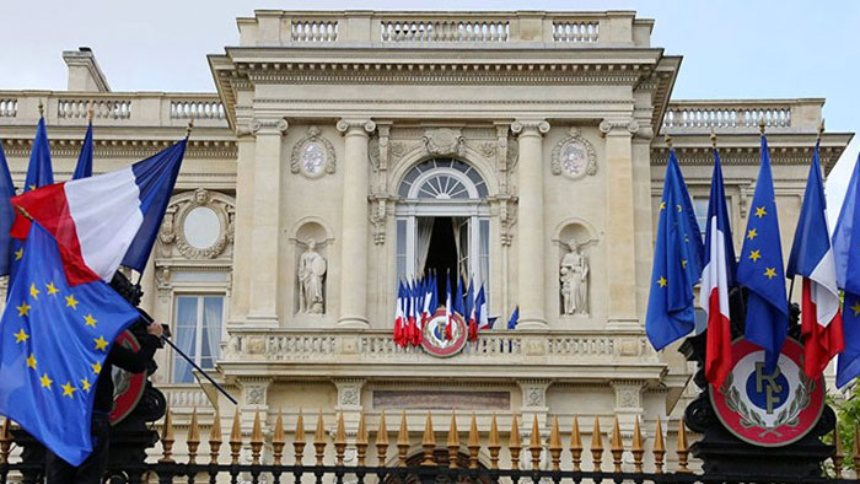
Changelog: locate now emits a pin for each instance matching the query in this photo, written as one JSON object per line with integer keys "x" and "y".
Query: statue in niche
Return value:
{"x": 573, "y": 275}
{"x": 312, "y": 269}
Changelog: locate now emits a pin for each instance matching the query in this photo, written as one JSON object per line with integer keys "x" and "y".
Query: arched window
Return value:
{"x": 443, "y": 221}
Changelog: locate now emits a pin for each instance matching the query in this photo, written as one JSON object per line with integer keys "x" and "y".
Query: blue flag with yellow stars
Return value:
{"x": 7, "y": 214}
{"x": 760, "y": 269}
{"x": 846, "y": 239}
{"x": 53, "y": 342}
{"x": 677, "y": 263}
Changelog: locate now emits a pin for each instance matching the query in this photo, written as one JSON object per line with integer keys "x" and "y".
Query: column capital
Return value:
{"x": 356, "y": 126}
{"x": 628, "y": 126}
{"x": 276, "y": 126}
{"x": 530, "y": 127}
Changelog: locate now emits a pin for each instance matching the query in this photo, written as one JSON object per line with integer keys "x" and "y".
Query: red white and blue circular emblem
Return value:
{"x": 444, "y": 336}
{"x": 127, "y": 387}
{"x": 768, "y": 409}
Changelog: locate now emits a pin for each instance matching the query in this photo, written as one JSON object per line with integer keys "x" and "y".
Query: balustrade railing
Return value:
{"x": 117, "y": 109}
{"x": 8, "y": 107}
{"x": 314, "y": 30}
{"x": 576, "y": 32}
{"x": 196, "y": 110}
{"x": 444, "y": 31}
{"x": 702, "y": 116}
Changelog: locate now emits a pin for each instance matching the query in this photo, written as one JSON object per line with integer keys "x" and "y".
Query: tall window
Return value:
{"x": 700, "y": 206}
{"x": 198, "y": 333}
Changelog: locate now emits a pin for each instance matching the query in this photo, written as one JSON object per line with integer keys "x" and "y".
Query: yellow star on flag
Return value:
{"x": 71, "y": 302}
{"x": 46, "y": 381}
{"x": 32, "y": 187}
{"x": 31, "y": 361}
{"x": 678, "y": 206}
{"x": 51, "y": 288}
{"x": 23, "y": 309}
{"x": 770, "y": 272}
{"x": 69, "y": 390}
{"x": 662, "y": 281}
{"x": 662, "y": 205}
{"x": 856, "y": 307}
{"x": 89, "y": 320}
{"x": 760, "y": 212}
{"x": 97, "y": 367}
{"x": 34, "y": 291}
{"x": 752, "y": 234}
{"x": 755, "y": 255}
{"x": 19, "y": 254}
{"x": 684, "y": 263}
{"x": 85, "y": 385}
{"x": 21, "y": 336}
{"x": 101, "y": 343}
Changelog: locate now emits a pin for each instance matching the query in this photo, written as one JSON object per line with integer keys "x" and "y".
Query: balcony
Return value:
{"x": 733, "y": 116}
{"x": 444, "y": 29}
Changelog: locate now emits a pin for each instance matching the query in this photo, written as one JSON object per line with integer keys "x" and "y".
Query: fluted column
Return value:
{"x": 265, "y": 233}
{"x": 620, "y": 211}
{"x": 530, "y": 246}
{"x": 354, "y": 225}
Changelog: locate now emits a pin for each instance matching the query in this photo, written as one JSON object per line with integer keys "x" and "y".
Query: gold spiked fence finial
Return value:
{"x": 555, "y": 445}
{"x": 683, "y": 449}
{"x": 515, "y": 445}
{"x": 637, "y": 449}
{"x": 381, "y": 441}
{"x": 90, "y": 111}
{"x": 361, "y": 441}
{"x": 5, "y": 441}
{"x": 668, "y": 140}
{"x": 256, "y": 439}
{"x": 453, "y": 442}
{"x": 236, "y": 438}
{"x": 428, "y": 442}
{"x": 340, "y": 440}
{"x": 319, "y": 440}
{"x": 597, "y": 445}
{"x": 616, "y": 446}
{"x": 474, "y": 443}
{"x": 493, "y": 444}
{"x": 659, "y": 448}
{"x": 535, "y": 447}
{"x": 278, "y": 439}
{"x": 299, "y": 441}
{"x": 193, "y": 439}
{"x": 576, "y": 446}
{"x": 215, "y": 438}
{"x": 402, "y": 441}
{"x": 838, "y": 455}
{"x": 167, "y": 438}
{"x": 761, "y": 125}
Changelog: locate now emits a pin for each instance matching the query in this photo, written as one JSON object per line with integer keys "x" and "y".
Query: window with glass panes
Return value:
{"x": 198, "y": 321}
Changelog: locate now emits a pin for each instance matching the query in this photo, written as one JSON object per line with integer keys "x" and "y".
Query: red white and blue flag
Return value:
{"x": 106, "y": 220}
{"x": 399, "y": 315}
{"x": 812, "y": 258}
{"x": 717, "y": 279}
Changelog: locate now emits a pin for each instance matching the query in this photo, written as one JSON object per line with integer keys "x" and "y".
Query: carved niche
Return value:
{"x": 444, "y": 142}
{"x": 574, "y": 156}
{"x": 197, "y": 225}
{"x": 313, "y": 156}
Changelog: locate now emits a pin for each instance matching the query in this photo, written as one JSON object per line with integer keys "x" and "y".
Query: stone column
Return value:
{"x": 354, "y": 223}
{"x": 620, "y": 217}
{"x": 265, "y": 233}
{"x": 531, "y": 235}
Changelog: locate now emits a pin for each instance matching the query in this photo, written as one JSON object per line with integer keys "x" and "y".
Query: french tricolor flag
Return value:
{"x": 812, "y": 258}
{"x": 717, "y": 278}
{"x": 106, "y": 220}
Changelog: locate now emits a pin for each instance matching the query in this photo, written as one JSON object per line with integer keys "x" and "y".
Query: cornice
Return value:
{"x": 125, "y": 148}
{"x": 747, "y": 156}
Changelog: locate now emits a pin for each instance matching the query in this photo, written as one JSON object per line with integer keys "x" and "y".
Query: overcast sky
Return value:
{"x": 732, "y": 49}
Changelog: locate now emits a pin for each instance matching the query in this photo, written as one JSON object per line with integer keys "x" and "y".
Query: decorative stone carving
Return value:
{"x": 255, "y": 391}
{"x": 346, "y": 125}
{"x": 378, "y": 217}
{"x": 628, "y": 395}
{"x": 527, "y": 126}
{"x": 573, "y": 275}
{"x": 608, "y": 125}
{"x": 488, "y": 149}
{"x": 313, "y": 155}
{"x": 201, "y": 227}
{"x": 534, "y": 393}
{"x": 349, "y": 393}
{"x": 167, "y": 232}
{"x": 268, "y": 126}
{"x": 574, "y": 156}
{"x": 397, "y": 150}
{"x": 311, "y": 276}
{"x": 444, "y": 142}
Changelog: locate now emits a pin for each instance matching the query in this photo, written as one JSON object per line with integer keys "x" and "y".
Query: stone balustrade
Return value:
{"x": 427, "y": 29}
{"x": 114, "y": 109}
{"x": 184, "y": 396}
{"x": 800, "y": 115}
{"x": 369, "y": 348}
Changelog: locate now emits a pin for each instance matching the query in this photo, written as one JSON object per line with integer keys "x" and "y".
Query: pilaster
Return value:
{"x": 530, "y": 253}
{"x": 620, "y": 219}
{"x": 628, "y": 403}
{"x": 265, "y": 233}
{"x": 355, "y": 223}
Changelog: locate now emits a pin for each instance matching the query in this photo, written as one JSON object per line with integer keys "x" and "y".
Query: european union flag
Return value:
{"x": 53, "y": 342}
{"x": 677, "y": 263}
{"x": 846, "y": 239}
{"x": 7, "y": 214}
{"x": 761, "y": 271}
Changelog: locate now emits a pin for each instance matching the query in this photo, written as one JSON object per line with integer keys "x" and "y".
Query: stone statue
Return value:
{"x": 312, "y": 269}
{"x": 574, "y": 280}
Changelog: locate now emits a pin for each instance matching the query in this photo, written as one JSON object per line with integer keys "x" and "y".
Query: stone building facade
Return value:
{"x": 334, "y": 137}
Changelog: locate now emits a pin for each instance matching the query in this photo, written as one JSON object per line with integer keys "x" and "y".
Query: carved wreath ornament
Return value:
{"x": 787, "y": 416}
{"x": 172, "y": 229}
{"x": 574, "y": 156}
{"x": 313, "y": 155}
